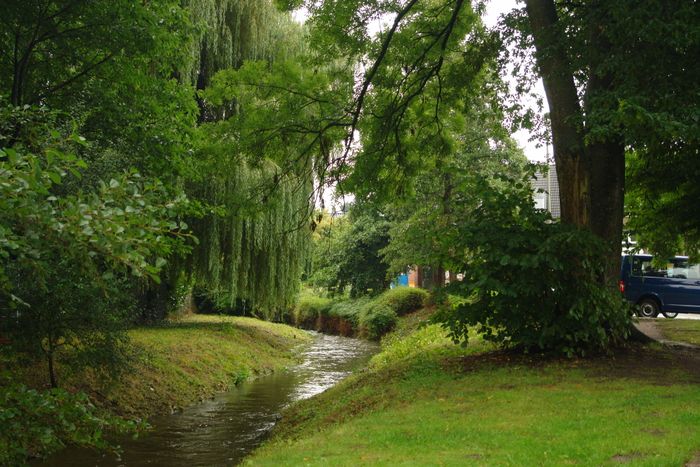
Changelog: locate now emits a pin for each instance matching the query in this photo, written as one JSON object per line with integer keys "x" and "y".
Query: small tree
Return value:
{"x": 347, "y": 254}
{"x": 72, "y": 315}
{"x": 64, "y": 258}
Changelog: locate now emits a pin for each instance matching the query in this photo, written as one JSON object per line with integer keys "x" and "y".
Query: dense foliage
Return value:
{"x": 258, "y": 165}
{"x": 167, "y": 186}
{"x": 369, "y": 317}
{"x": 37, "y": 424}
{"x": 347, "y": 254}
{"x": 530, "y": 282}
{"x": 404, "y": 300}
{"x": 66, "y": 259}
{"x": 376, "y": 319}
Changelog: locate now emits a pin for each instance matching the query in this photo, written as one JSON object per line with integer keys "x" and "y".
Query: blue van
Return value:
{"x": 670, "y": 289}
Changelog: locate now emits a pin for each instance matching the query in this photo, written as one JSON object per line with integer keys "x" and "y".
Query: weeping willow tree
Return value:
{"x": 258, "y": 149}
{"x": 251, "y": 254}
{"x": 232, "y": 31}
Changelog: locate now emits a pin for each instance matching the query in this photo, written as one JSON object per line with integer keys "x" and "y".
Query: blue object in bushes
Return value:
{"x": 400, "y": 281}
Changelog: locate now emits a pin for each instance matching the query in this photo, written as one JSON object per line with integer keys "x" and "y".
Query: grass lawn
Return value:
{"x": 682, "y": 330}
{"x": 181, "y": 362}
{"x": 425, "y": 401}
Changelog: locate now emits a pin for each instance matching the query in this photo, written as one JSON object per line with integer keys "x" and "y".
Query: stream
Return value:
{"x": 223, "y": 430}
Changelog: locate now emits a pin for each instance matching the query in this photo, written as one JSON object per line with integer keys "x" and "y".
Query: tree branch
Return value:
{"x": 73, "y": 78}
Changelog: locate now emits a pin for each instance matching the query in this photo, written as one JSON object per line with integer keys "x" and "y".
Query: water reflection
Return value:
{"x": 223, "y": 430}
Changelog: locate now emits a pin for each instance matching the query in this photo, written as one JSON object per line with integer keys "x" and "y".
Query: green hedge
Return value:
{"x": 377, "y": 319}
{"x": 308, "y": 310}
{"x": 404, "y": 300}
{"x": 348, "y": 310}
{"x": 370, "y": 318}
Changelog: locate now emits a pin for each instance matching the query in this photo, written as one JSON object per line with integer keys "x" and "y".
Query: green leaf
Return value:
{"x": 55, "y": 177}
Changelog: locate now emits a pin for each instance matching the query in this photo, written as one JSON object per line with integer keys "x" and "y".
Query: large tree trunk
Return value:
{"x": 607, "y": 178}
{"x": 606, "y": 159}
{"x": 591, "y": 177}
{"x": 565, "y": 113}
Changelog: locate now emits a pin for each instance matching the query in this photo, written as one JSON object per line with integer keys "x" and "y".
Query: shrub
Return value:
{"x": 376, "y": 319}
{"x": 349, "y": 310}
{"x": 309, "y": 308}
{"x": 404, "y": 300}
{"x": 36, "y": 424}
{"x": 532, "y": 282}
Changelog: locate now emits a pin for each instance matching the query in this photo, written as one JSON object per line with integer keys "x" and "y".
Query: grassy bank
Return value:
{"x": 181, "y": 362}
{"x": 680, "y": 330}
{"x": 425, "y": 401}
{"x": 369, "y": 318}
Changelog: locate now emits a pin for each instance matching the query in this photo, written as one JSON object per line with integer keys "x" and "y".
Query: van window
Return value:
{"x": 643, "y": 267}
{"x": 676, "y": 268}
{"x": 681, "y": 269}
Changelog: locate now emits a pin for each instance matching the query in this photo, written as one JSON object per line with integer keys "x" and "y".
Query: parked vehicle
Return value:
{"x": 672, "y": 288}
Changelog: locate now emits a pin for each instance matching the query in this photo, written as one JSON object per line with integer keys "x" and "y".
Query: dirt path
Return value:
{"x": 649, "y": 327}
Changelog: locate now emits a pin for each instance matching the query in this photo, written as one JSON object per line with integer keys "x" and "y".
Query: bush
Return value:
{"x": 36, "y": 424}
{"x": 376, "y": 319}
{"x": 532, "y": 282}
{"x": 348, "y": 310}
{"x": 404, "y": 300}
{"x": 309, "y": 308}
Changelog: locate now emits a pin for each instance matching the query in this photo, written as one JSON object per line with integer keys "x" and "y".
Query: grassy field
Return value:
{"x": 425, "y": 401}
{"x": 682, "y": 330}
{"x": 181, "y": 362}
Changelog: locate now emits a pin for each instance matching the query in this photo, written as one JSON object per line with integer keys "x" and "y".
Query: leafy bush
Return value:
{"x": 532, "y": 282}
{"x": 348, "y": 310}
{"x": 376, "y": 319}
{"x": 309, "y": 308}
{"x": 37, "y": 423}
{"x": 404, "y": 300}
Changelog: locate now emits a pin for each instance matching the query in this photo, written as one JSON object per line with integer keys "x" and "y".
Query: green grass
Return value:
{"x": 181, "y": 362}
{"x": 425, "y": 401}
{"x": 682, "y": 330}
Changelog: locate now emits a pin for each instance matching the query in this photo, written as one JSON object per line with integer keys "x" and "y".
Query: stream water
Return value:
{"x": 223, "y": 430}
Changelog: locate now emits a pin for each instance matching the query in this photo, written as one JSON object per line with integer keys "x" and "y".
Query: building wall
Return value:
{"x": 550, "y": 198}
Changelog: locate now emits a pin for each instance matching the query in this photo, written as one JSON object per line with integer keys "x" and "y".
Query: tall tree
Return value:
{"x": 258, "y": 167}
{"x": 599, "y": 61}
{"x": 603, "y": 65}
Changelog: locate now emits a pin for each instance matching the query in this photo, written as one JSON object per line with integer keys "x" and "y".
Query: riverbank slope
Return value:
{"x": 426, "y": 401}
{"x": 183, "y": 361}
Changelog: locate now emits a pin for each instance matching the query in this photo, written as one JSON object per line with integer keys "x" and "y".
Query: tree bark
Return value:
{"x": 52, "y": 371}
{"x": 565, "y": 113}
{"x": 591, "y": 176}
{"x": 606, "y": 158}
{"x": 607, "y": 175}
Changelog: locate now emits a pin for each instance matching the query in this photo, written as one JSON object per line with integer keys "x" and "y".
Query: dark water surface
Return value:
{"x": 223, "y": 430}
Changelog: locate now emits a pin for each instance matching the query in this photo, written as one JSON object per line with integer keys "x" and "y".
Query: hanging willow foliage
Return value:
{"x": 251, "y": 256}
{"x": 231, "y": 31}
{"x": 252, "y": 251}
